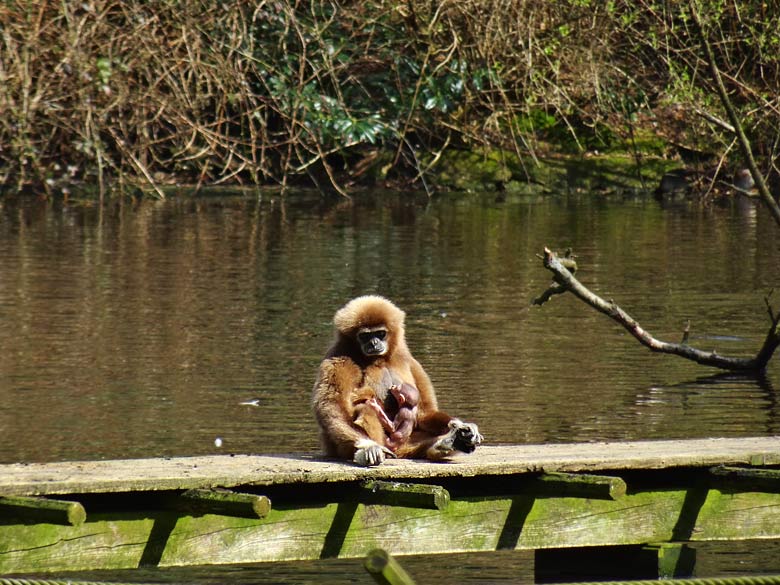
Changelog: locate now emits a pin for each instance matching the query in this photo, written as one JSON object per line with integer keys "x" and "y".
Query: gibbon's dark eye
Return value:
{"x": 365, "y": 336}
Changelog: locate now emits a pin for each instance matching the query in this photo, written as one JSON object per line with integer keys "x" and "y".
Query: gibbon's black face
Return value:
{"x": 373, "y": 340}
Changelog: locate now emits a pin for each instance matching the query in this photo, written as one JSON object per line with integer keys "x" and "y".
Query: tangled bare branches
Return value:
{"x": 336, "y": 92}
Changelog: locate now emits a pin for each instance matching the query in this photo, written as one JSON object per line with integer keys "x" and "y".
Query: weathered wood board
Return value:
{"x": 676, "y": 503}
{"x": 126, "y": 540}
{"x": 259, "y": 470}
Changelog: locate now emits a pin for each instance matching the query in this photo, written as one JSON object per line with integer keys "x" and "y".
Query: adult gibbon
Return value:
{"x": 367, "y": 358}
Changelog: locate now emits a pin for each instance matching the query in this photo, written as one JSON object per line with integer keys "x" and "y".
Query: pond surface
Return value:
{"x": 143, "y": 329}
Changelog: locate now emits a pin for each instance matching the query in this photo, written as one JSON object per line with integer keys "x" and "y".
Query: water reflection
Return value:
{"x": 144, "y": 328}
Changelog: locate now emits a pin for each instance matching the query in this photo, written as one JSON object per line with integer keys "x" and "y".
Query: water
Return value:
{"x": 141, "y": 329}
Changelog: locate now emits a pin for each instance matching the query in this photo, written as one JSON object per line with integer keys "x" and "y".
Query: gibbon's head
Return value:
{"x": 375, "y": 323}
{"x": 405, "y": 395}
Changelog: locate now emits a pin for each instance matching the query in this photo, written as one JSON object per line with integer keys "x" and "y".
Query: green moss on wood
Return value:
{"x": 488, "y": 169}
{"x": 579, "y": 485}
{"x": 414, "y": 495}
{"x": 42, "y": 510}
{"x": 349, "y": 529}
{"x": 221, "y": 501}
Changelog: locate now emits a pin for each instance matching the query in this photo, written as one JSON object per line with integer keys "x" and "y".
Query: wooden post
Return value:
{"x": 412, "y": 495}
{"x": 578, "y": 485}
{"x": 222, "y": 501}
{"x": 43, "y": 510}
{"x": 674, "y": 559}
{"x": 758, "y": 480}
{"x": 385, "y": 569}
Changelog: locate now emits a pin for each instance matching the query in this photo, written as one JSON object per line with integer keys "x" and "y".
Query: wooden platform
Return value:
{"x": 263, "y": 470}
{"x": 501, "y": 497}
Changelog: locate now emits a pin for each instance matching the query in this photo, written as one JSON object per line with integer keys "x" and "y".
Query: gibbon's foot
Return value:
{"x": 462, "y": 436}
{"x": 467, "y": 436}
{"x": 371, "y": 454}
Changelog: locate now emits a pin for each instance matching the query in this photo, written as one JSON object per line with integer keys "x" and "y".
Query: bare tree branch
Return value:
{"x": 565, "y": 281}
{"x": 744, "y": 144}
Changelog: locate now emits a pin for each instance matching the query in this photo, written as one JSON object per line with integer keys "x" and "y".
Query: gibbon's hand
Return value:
{"x": 370, "y": 454}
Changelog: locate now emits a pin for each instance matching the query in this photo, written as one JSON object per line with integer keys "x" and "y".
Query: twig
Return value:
{"x": 769, "y": 308}
{"x": 565, "y": 280}
{"x": 420, "y": 172}
{"x": 714, "y": 119}
{"x": 121, "y": 144}
{"x": 549, "y": 292}
{"x": 558, "y": 287}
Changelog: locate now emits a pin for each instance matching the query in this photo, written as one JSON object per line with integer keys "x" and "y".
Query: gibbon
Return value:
{"x": 368, "y": 357}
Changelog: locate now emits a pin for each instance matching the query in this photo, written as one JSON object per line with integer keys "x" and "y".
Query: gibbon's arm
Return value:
{"x": 332, "y": 403}
{"x": 429, "y": 418}
{"x": 428, "y": 402}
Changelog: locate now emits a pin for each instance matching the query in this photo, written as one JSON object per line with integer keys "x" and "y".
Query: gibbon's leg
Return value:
{"x": 439, "y": 435}
{"x": 369, "y": 415}
{"x": 372, "y": 421}
{"x": 356, "y": 444}
{"x": 335, "y": 413}
{"x": 462, "y": 436}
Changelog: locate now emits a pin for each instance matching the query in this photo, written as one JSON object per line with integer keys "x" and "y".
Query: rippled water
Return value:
{"x": 141, "y": 329}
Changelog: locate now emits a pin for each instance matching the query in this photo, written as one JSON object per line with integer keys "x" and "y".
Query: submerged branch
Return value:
{"x": 565, "y": 281}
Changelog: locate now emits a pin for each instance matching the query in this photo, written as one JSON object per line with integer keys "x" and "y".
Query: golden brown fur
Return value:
{"x": 347, "y": 379}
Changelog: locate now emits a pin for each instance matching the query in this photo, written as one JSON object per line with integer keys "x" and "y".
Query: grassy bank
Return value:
{"x": 340, "y": 94}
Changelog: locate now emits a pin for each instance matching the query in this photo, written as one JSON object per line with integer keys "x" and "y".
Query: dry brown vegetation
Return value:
{"x": 343, "y": 92}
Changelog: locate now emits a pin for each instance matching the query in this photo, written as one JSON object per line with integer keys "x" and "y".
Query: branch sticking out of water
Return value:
{"x": 566, "y": 282}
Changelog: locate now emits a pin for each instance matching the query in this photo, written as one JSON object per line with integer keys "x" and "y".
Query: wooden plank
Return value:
{"x": 220, "y": 501}
{"x": 412, "y": 495}
{"x": 236, "y": 470}
{"x": 350, "y": 530}
{"x": 30, "y": 509}
{"x": 582, "y": 485}
{"x": 726, "y": 513}
{"x": 765, "y": 480}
